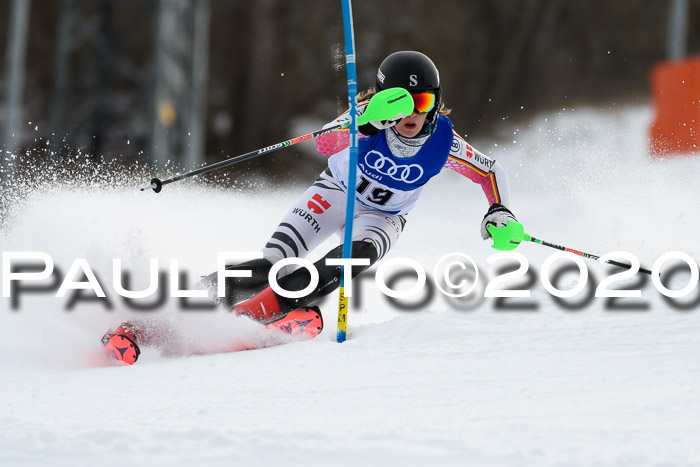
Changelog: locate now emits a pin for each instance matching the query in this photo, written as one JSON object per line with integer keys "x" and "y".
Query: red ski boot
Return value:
{"x": 262, "y": 307}
{"x": 306, "y": 322}
{"x": 121, "y": 343}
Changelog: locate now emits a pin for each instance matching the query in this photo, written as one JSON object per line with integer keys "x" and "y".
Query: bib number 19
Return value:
{"x": 376, "y": 195}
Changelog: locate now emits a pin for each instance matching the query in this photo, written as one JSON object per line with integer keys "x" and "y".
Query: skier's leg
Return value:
{"x": 376, "y": 234}
{"x": 238, "y": 288}
{"x": 316, "y": 215}
{"x": 328, "y": 276}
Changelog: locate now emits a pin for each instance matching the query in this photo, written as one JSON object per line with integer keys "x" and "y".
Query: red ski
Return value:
{"x": 121, "y": 345}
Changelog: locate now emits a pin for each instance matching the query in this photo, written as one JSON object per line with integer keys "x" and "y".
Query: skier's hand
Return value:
{"x": 497, "y": 215}
{"x": 374, "y": 126}
{"x": 384, "y": 124}
{"x": 368, "y": 129}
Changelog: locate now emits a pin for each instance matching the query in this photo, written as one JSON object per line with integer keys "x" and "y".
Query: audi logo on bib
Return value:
{"x": 383, "y": 165}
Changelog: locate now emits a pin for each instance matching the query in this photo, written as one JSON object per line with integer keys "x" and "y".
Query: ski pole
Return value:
{"x": 385, "y": 105}
{"x": 508, "y": 237}
{"x": 529, "y": 238}
{"x": 157, "y": 184}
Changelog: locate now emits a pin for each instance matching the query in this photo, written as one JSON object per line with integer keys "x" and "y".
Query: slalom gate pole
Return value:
{"x": 352, "y": 171}
{"x": 157, "y": 185}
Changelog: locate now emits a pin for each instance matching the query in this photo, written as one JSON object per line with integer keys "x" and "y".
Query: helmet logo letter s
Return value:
{"x": 413, "y": 80}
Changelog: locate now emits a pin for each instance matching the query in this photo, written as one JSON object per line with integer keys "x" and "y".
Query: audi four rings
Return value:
{"x": 385, "y": 166}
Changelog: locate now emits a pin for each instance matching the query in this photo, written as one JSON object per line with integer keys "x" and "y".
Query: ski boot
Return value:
{"x": 121, "y": 344}
{"x": 263, "y": 307}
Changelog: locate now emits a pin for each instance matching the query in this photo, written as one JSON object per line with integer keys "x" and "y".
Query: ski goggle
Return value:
{"x": 423, "y": 102}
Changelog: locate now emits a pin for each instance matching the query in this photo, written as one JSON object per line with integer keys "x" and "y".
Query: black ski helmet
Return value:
{"x": 414, "y": 72}
{"x": 410, "y": 70}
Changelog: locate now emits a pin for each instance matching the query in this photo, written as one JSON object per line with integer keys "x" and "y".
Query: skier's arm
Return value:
{"x": 481, "y": 169}
{"x": 338, "y": 140}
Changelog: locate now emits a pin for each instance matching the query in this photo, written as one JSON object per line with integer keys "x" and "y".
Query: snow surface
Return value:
{"x": 440, "y": 382}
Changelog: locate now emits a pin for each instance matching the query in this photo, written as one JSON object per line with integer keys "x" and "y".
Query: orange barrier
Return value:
{"x": 675, "y": 88}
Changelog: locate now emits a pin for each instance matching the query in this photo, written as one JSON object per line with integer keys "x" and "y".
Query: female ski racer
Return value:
{"x": 396, "y": 158}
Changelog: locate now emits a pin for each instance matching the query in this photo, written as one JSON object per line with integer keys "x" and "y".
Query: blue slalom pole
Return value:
{"x": 352, "y": 171}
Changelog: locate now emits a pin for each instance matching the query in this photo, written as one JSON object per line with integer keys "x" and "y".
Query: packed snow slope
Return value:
{"x": 428, "y": 380}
